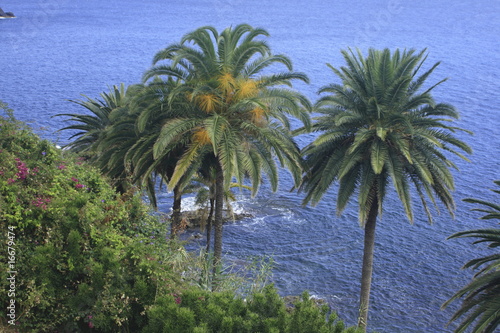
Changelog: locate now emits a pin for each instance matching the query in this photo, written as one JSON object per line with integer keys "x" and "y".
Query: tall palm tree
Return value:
{"x": 241, "y": 117}
{"x": 481, "y": 304}
{"x": 376, "y": 128}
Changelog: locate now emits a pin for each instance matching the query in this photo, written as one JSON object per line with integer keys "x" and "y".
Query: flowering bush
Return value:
{"x": 85, "y": 260}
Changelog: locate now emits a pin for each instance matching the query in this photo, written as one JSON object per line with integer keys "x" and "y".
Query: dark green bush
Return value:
{"x": 201, "y": 311}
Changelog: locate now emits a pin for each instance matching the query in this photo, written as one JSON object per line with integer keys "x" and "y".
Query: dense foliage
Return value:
{"x": 203, "y": 312}
{"x": 212, "y": 105}
{"x": 89, "y": 259}
{"x": 85, "y": 256}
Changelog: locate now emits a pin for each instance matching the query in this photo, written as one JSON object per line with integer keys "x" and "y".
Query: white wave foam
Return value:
{"x": 189, "y": 204}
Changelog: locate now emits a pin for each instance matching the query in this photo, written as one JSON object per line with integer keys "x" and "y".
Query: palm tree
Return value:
{"x": 119, "y": 134}
{"x": 482, "y": 295}
{"x": 91, "y": 126}
{"x": 375, "y": 128}
{"x": 241, "y": 117}
{"x": 94, "y": 131}
{"x": 151, "y": 110}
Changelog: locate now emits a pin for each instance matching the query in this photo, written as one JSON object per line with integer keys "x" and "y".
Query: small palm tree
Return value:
{"x": 91, "y": 126}
{"x": 112, "y": 139}
{"x": 94, "y": 132}
{"x": 377, "y": 128}
{"x": 241, "y": 118}
{"x": 204, "y": 186}
{"x": 481, "y": 304}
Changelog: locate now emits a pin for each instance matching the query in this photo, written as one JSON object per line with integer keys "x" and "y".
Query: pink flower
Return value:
{"x": 79, "y": 186}
{"x": 178, "y": 300}
{"x": 74, "y": 179}
{"x": 41, "y": 202}
{"x": 22, "y": 170}
{"x": 61, "y": 167}
{"x": 10, "y": 181}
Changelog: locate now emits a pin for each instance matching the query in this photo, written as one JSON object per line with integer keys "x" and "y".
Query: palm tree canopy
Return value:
{"x": 110, "y": 135}
{"x": 481, "y": 297}
{"x": 378, "y": 126}
{"x": 241, "y": 115}
{"x": 129, "y": 141}
{"x": 91, "y": 126}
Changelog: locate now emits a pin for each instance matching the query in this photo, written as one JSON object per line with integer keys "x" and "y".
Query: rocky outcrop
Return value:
{"x": 6, "y": 14}
{"x": 197, "y": 218}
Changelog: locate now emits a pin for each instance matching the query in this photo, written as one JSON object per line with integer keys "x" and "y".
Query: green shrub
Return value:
{"x": 86, "y": 257}
{"x": 197, "y": 310}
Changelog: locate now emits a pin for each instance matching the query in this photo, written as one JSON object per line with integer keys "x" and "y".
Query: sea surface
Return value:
{"x": 56, "y": 50}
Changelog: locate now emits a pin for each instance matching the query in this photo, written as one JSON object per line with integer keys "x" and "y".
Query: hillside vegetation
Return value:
{"x": 82, "y": 258}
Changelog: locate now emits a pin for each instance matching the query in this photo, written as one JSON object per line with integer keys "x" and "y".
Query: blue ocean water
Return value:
{"x": 58, "y": 49}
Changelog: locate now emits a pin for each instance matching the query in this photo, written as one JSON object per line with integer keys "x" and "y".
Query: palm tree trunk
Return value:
{"x": 219, "y": 203}
{"x": 209, "y": 222}
{"x": 176, "y": 214}
{"x": 367, "y": 270}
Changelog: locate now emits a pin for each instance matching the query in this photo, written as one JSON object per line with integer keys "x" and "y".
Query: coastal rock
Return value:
{"x": 6, "y": 14}
{"x": 197, "y": 218}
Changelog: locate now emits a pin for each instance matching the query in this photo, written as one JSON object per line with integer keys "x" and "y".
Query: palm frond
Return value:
{"x": 481, "y": 301}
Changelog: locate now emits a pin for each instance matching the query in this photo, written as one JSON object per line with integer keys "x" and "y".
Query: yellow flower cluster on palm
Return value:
{"x": 229, "y": 91}
{"x": 201, "y": 136}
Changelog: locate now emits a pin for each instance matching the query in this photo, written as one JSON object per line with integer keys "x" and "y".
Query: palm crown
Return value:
{"x": 91, "y": 126}
{"x": 242, "y": 117}
{"x": 376, "y": 128}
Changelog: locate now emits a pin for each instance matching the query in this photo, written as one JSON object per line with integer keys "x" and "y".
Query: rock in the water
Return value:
{"x": 6, "y": 14}
{"x": 197, "y": 218}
